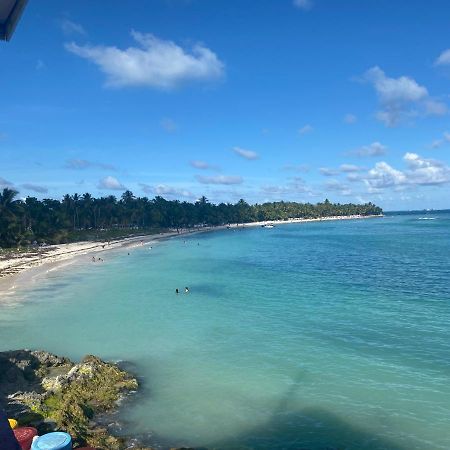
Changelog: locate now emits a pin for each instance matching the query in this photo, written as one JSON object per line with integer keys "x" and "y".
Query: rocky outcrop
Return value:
{"x": 50, "y": 393}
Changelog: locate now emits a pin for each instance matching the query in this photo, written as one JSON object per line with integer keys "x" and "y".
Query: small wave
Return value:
{"x": 427, "y": 218}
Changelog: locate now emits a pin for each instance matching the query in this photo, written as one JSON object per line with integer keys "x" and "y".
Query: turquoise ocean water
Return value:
{"x": 304, "y": 336}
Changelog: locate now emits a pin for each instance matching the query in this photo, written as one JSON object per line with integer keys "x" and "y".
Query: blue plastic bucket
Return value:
{"x": 53, "y": 441}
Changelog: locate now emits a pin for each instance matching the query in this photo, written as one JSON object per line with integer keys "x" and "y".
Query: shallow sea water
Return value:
{"x": 304, "y": 336}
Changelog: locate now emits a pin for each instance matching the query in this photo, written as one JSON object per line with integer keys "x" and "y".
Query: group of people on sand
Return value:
{"x": 186, "y": 290}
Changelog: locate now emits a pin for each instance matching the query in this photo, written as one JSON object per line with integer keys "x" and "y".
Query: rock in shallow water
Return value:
{"x": 51, "y": 392}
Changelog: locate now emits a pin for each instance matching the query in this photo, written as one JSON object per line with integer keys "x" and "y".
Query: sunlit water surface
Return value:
{"x": 331, "y": 334}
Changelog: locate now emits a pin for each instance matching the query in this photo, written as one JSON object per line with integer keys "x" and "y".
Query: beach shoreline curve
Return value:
{"x": 55, "y": 256}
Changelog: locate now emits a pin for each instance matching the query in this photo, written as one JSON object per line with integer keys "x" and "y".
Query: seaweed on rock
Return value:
{"x": 50, "y": 392}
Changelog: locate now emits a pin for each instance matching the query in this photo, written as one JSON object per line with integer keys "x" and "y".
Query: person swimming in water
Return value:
{"x": 177, "y": 291}
{"x": 186, "y": 290}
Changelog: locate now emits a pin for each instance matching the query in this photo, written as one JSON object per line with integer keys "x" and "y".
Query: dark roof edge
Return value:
{"x": 7, "y": 30}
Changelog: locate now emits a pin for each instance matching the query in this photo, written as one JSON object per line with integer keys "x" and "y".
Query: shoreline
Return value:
{"x": 15, "y": 269}
{"x": 21, "y": 269}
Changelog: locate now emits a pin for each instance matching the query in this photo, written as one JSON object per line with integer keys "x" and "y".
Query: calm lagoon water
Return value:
{"x": 331, "y": 334}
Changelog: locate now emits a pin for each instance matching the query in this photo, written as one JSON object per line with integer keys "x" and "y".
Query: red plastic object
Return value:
{"x": 24, "y": 436}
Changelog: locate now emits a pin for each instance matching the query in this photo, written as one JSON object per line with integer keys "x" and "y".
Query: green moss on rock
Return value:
{"x": 67, "y": 395}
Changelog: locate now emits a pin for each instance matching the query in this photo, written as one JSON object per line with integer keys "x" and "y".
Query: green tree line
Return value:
{"x": 23, "y": 222}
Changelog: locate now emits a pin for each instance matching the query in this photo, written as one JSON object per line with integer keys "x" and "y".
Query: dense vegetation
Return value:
{"x": 23, "y": 222}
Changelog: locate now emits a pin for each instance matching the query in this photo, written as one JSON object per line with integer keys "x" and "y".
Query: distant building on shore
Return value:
{"x": 10, "y": 12}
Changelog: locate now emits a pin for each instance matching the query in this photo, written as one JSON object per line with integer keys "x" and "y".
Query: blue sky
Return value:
{"x": 265, "y": 100}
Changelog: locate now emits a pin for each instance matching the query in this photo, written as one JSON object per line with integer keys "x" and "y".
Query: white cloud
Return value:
{"x": 80, "y": 164}
{"x": 420, "y": 172}
{"x": 383, "y": 175}
{"x": 70, "y": 28}
{"x": 165, "y": 190}
{"x": 440, "y": 142}
{"x": 339, "y": 187}
{"x": 306, "y": 5}
{"x": 350, "y": 168}
{"x": 443, "y": 59}
{"x": 373, "y": 149}
{"x": 402, "y": 89}
{"x": 200, "y": 165}
{"x": 401, "y": 98}
{"x": 343, "y": 168}
{"x": 203, "y": 165}
{"x": 327, "y": 172}
{"x": 219, "y": 179}
{"x": 168, "y": 125}
{"x": 354, "y": 176}
{"x": 35, "y": 188}
{"x": 111, "y": 183}
{"x": 426, "y": 171}
{"x": 435, "y": 108}
{"x": 350, "y": 119}
{"x": 295, "y": 186}
{"x": 247, "y": 154}
{"x": 305, "y": 129}
{"x": 154, "y": 63}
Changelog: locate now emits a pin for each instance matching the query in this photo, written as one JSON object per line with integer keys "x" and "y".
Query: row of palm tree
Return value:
{"x": 31, "y": 220}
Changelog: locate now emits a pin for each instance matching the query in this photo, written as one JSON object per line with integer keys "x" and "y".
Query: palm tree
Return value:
{"x": 9, "y": 217}
{"x": 76, "y": 204}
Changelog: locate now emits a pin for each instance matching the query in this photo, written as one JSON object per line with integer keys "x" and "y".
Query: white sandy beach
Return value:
{"x": 42, "y": 260}
{"x": 52, "y": 257}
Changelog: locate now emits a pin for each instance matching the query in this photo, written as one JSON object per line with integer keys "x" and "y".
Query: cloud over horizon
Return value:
{"x": 5, "y": 183}
{"x": 35, "y": 188}
{"x": 166, "y": 190}
{"x": 219, "y": 179}
{"x": 154, "y": 63}
{"x": 293, "y": 187}
{"x": 419, "y": 172}
{"x": 339, "y": 187}
{"x": 401, "y": 99}
{"x": 111, "y": 183}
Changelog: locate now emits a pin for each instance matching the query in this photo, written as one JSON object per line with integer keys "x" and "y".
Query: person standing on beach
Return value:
{"x": 7, "y": 439}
